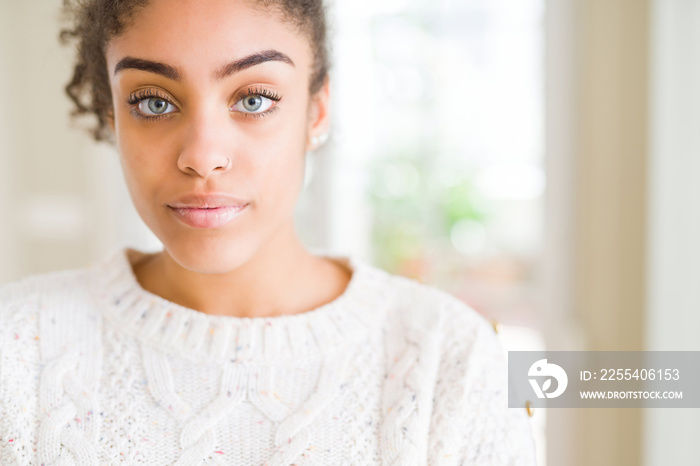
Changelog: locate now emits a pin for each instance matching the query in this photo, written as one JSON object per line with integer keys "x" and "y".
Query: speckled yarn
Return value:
{"x": 94, "y": 370}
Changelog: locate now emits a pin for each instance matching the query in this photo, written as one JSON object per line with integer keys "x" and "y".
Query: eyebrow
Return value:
{"x": 228, "y": 69}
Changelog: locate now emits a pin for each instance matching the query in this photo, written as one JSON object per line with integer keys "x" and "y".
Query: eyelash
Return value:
{"x": 136, "y": 98}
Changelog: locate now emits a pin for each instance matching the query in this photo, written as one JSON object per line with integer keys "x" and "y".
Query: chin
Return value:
{"x": 209, "y": 256}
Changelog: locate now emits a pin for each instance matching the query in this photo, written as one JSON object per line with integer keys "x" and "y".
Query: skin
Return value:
{"x": 256, "y": 265}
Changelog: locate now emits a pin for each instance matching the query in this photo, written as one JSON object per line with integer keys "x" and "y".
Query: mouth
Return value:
{"x": 209, "y": 216}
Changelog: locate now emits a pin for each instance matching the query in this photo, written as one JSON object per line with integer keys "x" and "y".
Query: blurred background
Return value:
{"x": 535, "y": 158}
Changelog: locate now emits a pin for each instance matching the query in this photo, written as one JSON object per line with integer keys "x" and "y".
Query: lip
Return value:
{"x": 209, "y": 217}
{"x": 208, "y": 210}
{"x": 206, "y": 201}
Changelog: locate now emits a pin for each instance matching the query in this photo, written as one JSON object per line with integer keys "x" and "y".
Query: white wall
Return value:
{"x": 63, "y": 200}
{"x": 673, "y": 321}
{"x": 42, "y": 160}
{"x": 562, "y": 330}
{"x": 7, "y": 148}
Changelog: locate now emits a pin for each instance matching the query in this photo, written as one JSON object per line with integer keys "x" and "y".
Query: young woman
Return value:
{"x": 234, "y": 344}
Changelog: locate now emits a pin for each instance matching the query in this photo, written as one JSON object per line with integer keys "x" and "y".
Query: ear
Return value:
{"x": 319, "y": 116}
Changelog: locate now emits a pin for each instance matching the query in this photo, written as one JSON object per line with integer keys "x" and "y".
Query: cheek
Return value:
{"x": 143, "y": 164}
{"x": 284, "y": 166}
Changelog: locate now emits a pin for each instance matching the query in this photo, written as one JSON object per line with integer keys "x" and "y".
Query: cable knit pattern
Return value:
{"x": 68, "y": 382}
{"x": 413, "y": 356}
{"x": 96, "y": 370}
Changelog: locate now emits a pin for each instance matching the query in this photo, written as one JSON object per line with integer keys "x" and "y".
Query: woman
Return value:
{"x": 234, "y": 345}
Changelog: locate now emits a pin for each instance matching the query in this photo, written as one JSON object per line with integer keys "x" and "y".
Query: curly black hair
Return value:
{"x": 93, "y": 23}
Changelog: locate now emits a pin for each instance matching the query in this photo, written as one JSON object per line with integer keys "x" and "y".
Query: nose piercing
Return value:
{"x": 228, "y": 163}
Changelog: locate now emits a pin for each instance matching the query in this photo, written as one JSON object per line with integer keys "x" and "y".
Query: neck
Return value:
{"x": 282, "y": 278}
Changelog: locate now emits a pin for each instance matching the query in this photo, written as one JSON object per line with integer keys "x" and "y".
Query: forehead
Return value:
{"x": 197, "y": 36}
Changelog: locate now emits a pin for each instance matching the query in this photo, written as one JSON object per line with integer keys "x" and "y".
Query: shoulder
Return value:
{"x": 459, "y": 341}
{"x": 429, "y": 309}
{"x": 470, "y": 419}
{"x": 467, "y": 348}
{"x": 28, "y": 345}
{"x": 447, "y": 367}
{"x": 40, "y": 291}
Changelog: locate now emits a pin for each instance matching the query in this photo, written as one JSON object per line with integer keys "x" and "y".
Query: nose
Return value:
{"x": 206, "y": 146}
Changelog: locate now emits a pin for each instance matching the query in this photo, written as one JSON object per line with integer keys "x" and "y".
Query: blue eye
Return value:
{"x": 150, "y": 104}
{"x": 253, "y": 104}
{"x": 155, "y": 106}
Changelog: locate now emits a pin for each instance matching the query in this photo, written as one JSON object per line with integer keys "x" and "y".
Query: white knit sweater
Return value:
{"x": 94, "y": 370}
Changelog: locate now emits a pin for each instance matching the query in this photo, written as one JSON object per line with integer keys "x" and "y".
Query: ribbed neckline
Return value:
{"x": 194, "y": 335}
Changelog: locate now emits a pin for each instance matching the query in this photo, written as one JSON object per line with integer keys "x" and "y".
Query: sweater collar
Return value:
{"x": 194, "y": 335}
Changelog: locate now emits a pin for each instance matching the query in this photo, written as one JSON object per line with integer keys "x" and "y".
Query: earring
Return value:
{"x": 318, "y": 141}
